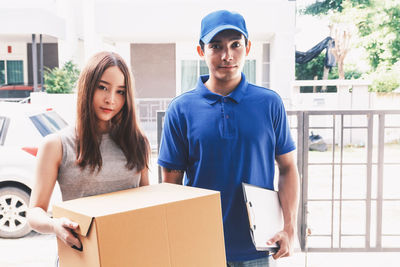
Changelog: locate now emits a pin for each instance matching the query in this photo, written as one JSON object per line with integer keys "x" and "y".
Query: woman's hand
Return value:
{"x": 63, "y": 228}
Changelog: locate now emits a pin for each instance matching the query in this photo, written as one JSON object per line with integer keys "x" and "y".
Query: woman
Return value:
{"x": 106, "y": 151}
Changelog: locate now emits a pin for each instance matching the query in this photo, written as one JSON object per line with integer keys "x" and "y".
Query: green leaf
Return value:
{"x": 61, "y": 80}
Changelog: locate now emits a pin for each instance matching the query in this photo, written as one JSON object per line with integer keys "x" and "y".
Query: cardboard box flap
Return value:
{"x": 132, "y": 199}
{"x": 83, "y": 220}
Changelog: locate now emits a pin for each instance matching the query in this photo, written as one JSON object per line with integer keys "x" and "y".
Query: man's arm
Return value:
{"x": 289, "y": 198}
{"x": 172, "y": 176}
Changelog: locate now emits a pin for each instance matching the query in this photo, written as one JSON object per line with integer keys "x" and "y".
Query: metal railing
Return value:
{"x": 354, "y": 173}
{"x": 147, "y": 109}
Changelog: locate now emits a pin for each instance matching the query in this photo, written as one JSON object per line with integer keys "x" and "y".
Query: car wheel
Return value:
{"x": 13, "y": 210}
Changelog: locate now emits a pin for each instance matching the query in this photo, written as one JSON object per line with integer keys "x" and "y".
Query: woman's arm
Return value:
{"x": 144, "y": 177}
{"x": 48, "y": 161}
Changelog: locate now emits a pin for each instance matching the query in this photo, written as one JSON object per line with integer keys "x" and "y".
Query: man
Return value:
{"x": 227, "y": 131}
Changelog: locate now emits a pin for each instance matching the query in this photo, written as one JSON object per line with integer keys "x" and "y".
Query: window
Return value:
{"x": 2, "y": 73}
{"x": 55, "y": 120}
{"x": 15, "y": 72}
{"x": 249, "y": 70}
{"x": 3, "y": 129}
{"x": 11, "y": 72}
{"x": 192, "y": 69}
{"x": 48, "y": 123}
{"x": 13, "y": 93}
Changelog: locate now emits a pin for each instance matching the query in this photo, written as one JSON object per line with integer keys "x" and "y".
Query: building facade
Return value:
{"x": 158, "y": 39}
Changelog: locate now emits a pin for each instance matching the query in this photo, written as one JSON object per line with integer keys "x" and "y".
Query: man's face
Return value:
{"x": 225, "y": 55}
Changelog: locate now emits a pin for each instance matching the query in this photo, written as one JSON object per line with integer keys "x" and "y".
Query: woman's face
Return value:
{"x": 109, "y": 97}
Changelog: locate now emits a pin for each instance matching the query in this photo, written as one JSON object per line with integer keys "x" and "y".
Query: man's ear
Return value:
{"x": 200, "y": 51}
{"x": 248, "y": 47}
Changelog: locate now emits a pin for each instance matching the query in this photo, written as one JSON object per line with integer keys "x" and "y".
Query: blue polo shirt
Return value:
{"x": 222, "y": 141}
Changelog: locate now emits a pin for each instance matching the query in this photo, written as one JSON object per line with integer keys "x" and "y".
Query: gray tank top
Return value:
{"x": 113, "y": 176}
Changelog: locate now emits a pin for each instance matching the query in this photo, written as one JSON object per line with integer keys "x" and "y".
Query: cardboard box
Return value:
{"x": 157, "y": 225}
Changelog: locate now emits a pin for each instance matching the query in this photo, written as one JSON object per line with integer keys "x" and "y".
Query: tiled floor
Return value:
{"x": 36, "y": 250}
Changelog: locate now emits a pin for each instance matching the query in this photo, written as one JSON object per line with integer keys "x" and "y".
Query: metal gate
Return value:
{"x": 350, "y": 193}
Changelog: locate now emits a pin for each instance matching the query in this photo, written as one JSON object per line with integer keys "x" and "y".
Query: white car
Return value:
{"x": 22, "y": 127}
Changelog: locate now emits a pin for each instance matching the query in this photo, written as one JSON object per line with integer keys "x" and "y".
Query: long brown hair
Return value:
{"x": 125, "y": 131}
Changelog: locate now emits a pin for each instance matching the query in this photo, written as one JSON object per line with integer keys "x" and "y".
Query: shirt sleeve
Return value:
{"x": 284, "y": 140}
{"x": 173, "y": 147}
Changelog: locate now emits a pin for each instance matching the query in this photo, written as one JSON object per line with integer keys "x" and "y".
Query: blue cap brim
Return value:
{"x": 209, "y": 36}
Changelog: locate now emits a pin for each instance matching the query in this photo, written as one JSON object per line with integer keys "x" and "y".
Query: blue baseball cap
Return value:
{"x": 221, "y": 20}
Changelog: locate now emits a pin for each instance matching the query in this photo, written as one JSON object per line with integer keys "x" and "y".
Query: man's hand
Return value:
{"x": 289, "y": 198}
{"x": 285, "y": 241}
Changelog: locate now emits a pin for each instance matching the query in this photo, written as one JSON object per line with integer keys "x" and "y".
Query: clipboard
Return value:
{"x": 265, "y": 215}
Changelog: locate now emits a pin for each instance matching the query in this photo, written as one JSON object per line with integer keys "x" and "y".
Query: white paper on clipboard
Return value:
{"x": 265, "y": 215}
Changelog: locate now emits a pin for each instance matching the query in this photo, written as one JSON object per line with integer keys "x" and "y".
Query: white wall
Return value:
{"x": 357, "y": 99}
{"x": 72, "y": 46}
{"x": 283, "y": 52}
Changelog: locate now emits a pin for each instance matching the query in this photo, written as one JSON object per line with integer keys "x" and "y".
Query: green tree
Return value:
{"x": 314, "y": 70}
{"x": 385, "y": 79}
{"x": 61, "y": 80}
{"x": 379, "y": 29}
{"x": 377, "y": 24}
{"x": 311, "y": 69}
{"x": 326, "y": 6}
